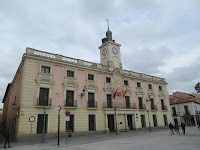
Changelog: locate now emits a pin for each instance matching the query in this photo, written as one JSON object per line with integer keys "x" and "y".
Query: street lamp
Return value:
{"x": 43, "y": 138}
{"x": 149, "y": 121}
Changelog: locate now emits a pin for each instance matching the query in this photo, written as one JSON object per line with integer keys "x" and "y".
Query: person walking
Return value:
{"x": 177, "y": 128}
{"x": 171, "y": 127}
{"x": 198, "y": 124}
{"x": 183, "y": 127}
{"x": 7, "y": 139}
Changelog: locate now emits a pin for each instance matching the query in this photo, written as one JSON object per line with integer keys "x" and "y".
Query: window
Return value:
{"x": 143, "y": 122}
{"x": 160, "y": 88}
{"x": 109, "y": 101}
{"x": 90, "y": 77}
{"x": 92, "y": 125}
{"x": 150, "y": 86}
{"x": 70, "y": 73}
{"x": 45, "y": 69}
{"x": 138, "y": 84}
{"x": 126, "y": 82}
{"x": 155, "y": 121}
{"x": 140, "y": 103}
{"x": 174, "y": 111}
{"x": 91, "y": 101}
{"x": 186, "y": 110}
{"x": 127, "y": 99}
{"x": 44, "y": 97}
{"x": 70, "y": 98}
{"x": 108, "y": 80}
{"x": 165, "y": 120}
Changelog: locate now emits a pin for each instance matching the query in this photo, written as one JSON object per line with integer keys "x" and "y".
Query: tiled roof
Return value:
{"x": 177, "y": 100}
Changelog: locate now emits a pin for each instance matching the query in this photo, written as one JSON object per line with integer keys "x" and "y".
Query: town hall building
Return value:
{"x": 101, "y": 98}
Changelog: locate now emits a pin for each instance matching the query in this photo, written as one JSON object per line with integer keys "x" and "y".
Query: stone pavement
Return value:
{"x": 158, "y": 139}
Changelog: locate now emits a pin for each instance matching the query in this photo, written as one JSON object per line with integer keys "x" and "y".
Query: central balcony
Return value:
{"x": 119, "y": 105}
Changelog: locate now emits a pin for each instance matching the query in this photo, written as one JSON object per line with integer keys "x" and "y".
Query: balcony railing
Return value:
{"x": 42, "y": 102}
{"x": 164, "y": 107}
{"x": 174, "y": 114}
{"x": 186, "y": 113}
{"x": 154, "y": 107}
{"x": 83, "y": 63}
{"x": 142, "y": 106}
{"x": 71, "y": 103}
{"x": 92, "y": 104}
{"x": 119, "y": 105}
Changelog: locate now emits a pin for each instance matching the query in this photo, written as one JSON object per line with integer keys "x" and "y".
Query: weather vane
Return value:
{"x": 107, "y": 23}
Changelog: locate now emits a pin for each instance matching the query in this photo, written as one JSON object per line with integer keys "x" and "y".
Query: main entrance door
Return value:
{"x": 130, "y": 122}
{"x": 111, "y": 125}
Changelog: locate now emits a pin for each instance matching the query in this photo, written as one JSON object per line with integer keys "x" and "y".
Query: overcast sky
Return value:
{"x": 158, "y": 37}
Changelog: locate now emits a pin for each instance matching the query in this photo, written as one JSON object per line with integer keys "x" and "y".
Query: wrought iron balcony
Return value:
{"x": 142, "y": 106}
{"x": 119, "y": 105}
{"x": 44, "y": 102}
{"x": 92, "y": 104}
{"x": 131, "y": 106}
{"x": 186, "y": 113}
{"x": 164, "y": 107}
{"x": 154, "y": 107}
{"x": 71, "y": 103}
{"x": 174, "y": 114}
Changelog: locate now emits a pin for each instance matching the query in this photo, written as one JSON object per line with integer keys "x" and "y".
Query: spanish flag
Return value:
{"x": 124, "y": 94}
{"x": 114, "y": 95}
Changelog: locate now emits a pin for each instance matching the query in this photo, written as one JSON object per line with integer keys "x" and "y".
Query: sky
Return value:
{"x": 157, "y": 37}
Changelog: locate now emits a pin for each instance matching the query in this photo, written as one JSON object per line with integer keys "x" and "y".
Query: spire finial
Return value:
{"x": 107, "y": 23}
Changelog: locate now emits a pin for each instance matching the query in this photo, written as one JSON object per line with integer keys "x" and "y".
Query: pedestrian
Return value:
{"x": 177, "y": 128}
{"x": 198, "y": 124}
{"x": 7, "y": 139}
{"x": 183, "y": 127}
{"x": 171, "y": 127}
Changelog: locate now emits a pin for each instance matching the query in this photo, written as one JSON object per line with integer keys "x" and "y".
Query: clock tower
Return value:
{"x": 110, "y": 52}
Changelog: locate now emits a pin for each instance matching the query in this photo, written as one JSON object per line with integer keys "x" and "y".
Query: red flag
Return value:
{"x": 115, "y": 93}
{"x": 124, "y": 94}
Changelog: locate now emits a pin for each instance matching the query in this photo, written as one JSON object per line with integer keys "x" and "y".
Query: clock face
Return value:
{"x": 104, "y": 52}
{"x": 114, "y": 50}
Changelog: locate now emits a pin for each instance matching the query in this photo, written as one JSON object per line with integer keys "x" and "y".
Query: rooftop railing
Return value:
{"x": 90, "y": 64}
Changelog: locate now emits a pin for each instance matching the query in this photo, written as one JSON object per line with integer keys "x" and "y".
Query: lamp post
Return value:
{"x": 149, "y": 121}
{"x": 43, "y": 133}
{"x": 115, "y": 109}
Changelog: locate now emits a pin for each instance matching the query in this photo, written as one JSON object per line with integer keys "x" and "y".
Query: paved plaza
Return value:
{"x": 158, "y": 139}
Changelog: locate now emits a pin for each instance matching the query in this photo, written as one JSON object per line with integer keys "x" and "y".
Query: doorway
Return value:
{"x": 130, "y": 122}
{"x": 111, "y": 125}
{"x": 70, "y": 123}
{"x": 40, "y": 122}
